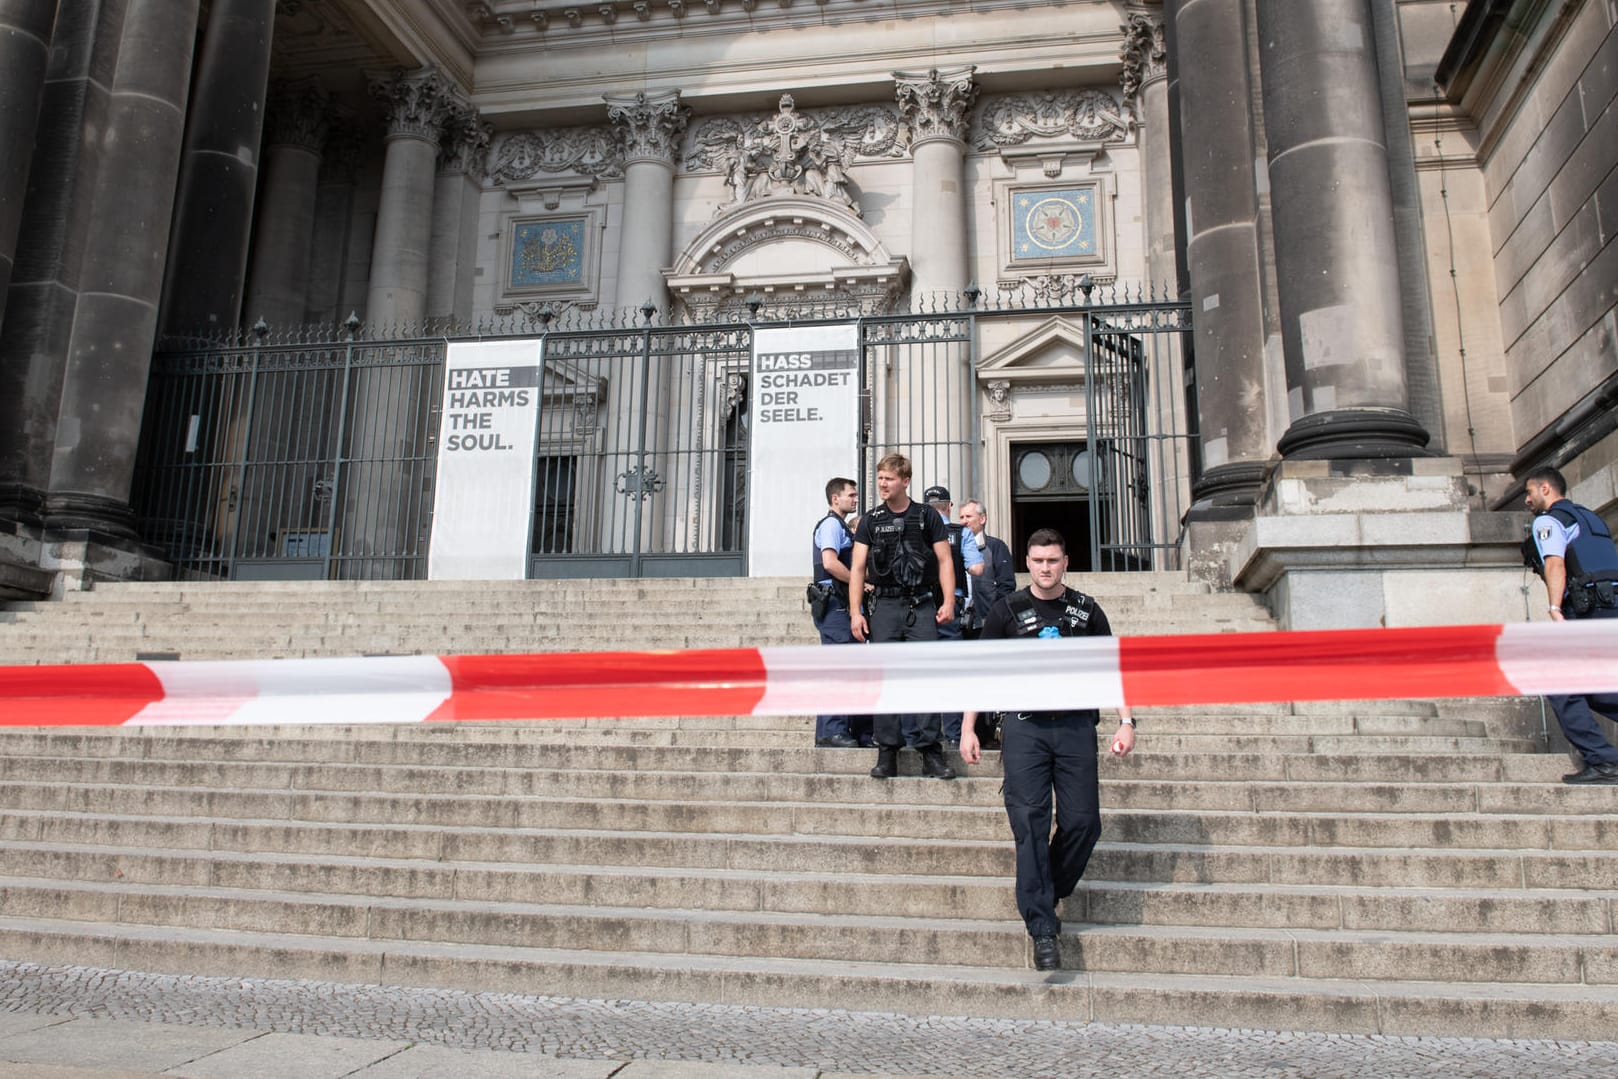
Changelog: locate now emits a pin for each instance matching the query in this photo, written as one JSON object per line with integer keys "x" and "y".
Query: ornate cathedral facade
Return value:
{"x": 1388, "y": 224}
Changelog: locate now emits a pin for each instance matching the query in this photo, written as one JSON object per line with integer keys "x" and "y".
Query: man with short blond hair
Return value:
{"x": 902, "y": 548}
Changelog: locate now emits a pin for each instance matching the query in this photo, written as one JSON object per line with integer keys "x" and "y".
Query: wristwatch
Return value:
{"x": 1128, "y": 720}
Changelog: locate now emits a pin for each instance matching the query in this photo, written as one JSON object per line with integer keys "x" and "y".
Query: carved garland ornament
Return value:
{"x": 1086, "y": 115}
{"x": 586, "y": 151}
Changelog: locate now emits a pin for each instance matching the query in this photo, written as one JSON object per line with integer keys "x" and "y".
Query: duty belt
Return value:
{"x": 897, "y": 592}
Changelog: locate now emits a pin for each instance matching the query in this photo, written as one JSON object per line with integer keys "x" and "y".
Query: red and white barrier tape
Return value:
{"x": 1368, "y": 664}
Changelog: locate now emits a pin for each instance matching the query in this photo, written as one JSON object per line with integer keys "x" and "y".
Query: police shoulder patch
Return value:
{"x": 1542, "y": 532}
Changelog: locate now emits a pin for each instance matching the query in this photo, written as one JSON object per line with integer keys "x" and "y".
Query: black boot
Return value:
{"x": 934, "y": 766}
{"x": 887, "y": 762}
{"x": 1047, "y": 954}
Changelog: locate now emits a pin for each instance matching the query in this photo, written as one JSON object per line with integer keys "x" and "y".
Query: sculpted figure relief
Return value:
{"x": 790, "y": 153}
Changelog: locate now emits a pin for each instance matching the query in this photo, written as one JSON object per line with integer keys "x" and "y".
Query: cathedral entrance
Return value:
{"x": 1050, "y": 489}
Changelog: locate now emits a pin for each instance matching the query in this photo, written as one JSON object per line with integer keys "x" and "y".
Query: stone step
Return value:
{"x": 1103, "y": 902}
{"x": 886, "y": 938}
{"x": 1456, "y": 800}
{"x": 1166, "y": 861}
{"x": 1518, "y": 1009}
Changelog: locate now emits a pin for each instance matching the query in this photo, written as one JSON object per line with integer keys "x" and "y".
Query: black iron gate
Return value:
{"x": 315, "y": 459}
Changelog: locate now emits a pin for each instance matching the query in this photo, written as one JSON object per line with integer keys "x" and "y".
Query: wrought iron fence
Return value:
{"x": 314, "y": 456}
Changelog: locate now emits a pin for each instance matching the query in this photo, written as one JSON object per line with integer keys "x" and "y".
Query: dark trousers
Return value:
{"x": 894, "y": 619}
{"x": 1577, "y": 718}
{"x": 950, "y": 722}
{"x": 1047, "y": 753}
{"x": 834, "y": 629}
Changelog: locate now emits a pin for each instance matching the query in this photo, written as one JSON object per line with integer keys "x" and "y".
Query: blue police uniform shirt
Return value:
{"x": 831, "y": 535}
{"x": 972, "y": 556}
{"x": 1552, "y": 537}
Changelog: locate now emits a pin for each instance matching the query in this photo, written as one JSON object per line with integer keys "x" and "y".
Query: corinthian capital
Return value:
{"x": 299, "y": 115}
{"x": 935, "y": 104}
{"x": 465, "y": 147}
{"x": 650, "y": 125}
{"x": 417, "y": 102}
{"x": 1144, "y": 52}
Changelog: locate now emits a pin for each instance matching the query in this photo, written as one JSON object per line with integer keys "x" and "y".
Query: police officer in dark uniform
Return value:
{"x": 904, "y": 548}
{"x": 1049, "y": 751}
{"x": 1572, "y": 549}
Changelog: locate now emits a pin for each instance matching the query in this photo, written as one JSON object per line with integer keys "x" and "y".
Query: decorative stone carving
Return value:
{"x": 587, "y": 151}
{"x": 298, "y": 115}
{"x": 465, "y": 147}
{"x": 417, "y": 102}
{"x": 649, "y": 125}
{"x": 1144, "y": 52}
{"x": 936, "y": 104}
{"x": 787, "y": 154}
{"x": 999, "y": 400}
{"x": 1092, "y": 116}
{"x": 735, "y": 393}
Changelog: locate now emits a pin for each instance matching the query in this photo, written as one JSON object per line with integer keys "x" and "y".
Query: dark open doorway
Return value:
{"x": 1049, "y": 489}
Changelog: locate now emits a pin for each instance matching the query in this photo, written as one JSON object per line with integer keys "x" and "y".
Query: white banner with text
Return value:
{"x": 805, "y": 430}
{"x": 483, "y": 498}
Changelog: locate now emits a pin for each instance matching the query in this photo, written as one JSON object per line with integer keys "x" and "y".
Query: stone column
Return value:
{"x": 417, "y": 104}
{"x": 1222, "y": 250}
{"x": 334, "y": 208}
{"x": 934, "y": 393}
{"x": 1338, "y": 283}
{"x": 936, "y": 105}
{"x": 650, "y": 127}
{"x": 1145, "y": 83}
{"x": 213, "y": 215}
{"x": 25, "y": 45}
{"x": 455, "y": 217}
{"x": 387, "y": 421}
{"x": 115, "y": 320}
{"x": 278, "y": 277}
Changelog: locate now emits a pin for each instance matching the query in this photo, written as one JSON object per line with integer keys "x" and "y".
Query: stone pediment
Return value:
{"x": 799, "y": 251}
{"x": 1052, "y": 353}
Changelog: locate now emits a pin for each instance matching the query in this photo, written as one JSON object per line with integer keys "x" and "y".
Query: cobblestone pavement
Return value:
{"x": 828, "y": 1041}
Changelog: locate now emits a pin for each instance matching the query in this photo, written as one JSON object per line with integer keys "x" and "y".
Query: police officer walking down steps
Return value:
{"x": 901, "y": 547}
{"x": 1049, "y": 751}
{"x": 1572, "y": 549}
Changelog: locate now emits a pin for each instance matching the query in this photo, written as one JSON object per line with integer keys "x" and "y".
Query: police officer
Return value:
{"x": 902, "y": 548}
{"x": 1572, "y": 549}
{"x": 831, "y": 549}
{"x": 1042, "y": 751}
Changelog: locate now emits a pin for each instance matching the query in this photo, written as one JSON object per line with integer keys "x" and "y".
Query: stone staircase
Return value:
{"x": 1392, "y": 867}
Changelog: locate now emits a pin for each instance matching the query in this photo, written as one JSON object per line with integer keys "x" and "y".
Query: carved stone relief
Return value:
{"x": 792, "y": 152}
{"x": 937, "y": 104}
{"x": 1092, "y": 116}
{"x": 649, "y": 125}
{"x": 1144, "y": 52}
{"x": 586, "y": 151}
{"x": 417, "y": 102}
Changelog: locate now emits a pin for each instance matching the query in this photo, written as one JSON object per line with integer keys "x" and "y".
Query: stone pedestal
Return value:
{"x": 1388, "y": 542}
